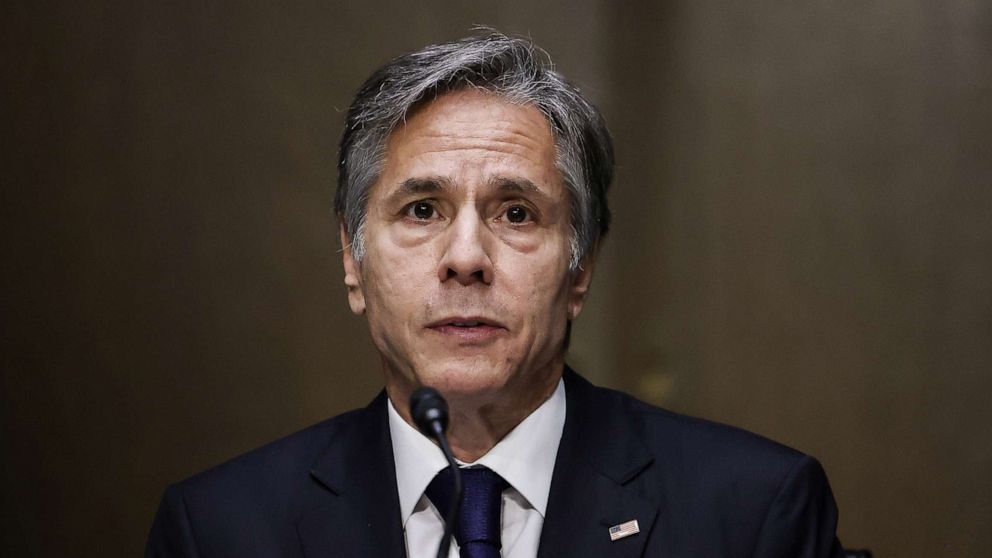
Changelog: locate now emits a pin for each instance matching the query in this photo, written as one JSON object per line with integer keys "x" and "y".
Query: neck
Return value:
{"x": 479, "y": 421}
{"x": 474, "y": 430}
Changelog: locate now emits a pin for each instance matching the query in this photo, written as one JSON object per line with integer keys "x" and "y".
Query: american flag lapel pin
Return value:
{"x": 627, "y": 529}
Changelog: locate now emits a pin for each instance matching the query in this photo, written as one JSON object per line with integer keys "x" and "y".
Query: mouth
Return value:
{"x": 467, "y": 328}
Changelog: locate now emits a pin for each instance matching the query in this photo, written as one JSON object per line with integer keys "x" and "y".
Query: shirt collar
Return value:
{"x": 525, "y": 457}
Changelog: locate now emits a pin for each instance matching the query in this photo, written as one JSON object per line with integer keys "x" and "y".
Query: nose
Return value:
{"x": 467, "y": 246}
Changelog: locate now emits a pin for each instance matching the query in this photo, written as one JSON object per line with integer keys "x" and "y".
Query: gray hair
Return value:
{"x": 510, "y": 67}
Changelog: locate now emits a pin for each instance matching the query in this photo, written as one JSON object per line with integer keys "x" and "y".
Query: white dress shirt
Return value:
{"x": 525, "y": 458}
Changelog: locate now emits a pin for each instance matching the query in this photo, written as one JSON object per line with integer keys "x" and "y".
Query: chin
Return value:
{"x": 465, "y": 379}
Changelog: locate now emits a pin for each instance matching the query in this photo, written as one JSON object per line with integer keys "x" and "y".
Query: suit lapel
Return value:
{"x": 359, "y": 513}
{"x": 593, "y": 487}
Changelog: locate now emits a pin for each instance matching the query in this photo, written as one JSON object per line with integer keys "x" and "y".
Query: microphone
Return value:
{"x": 430, "y": 413}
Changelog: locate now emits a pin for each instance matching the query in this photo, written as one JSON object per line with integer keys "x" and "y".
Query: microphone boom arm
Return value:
{"x": 430, "y": 413}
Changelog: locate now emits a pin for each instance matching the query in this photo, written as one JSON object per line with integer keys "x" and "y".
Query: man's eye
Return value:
{"x": 517, "y": 214}
{"x": 421, "y": 210}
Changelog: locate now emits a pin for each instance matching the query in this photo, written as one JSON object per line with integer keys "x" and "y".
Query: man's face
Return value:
{"x": 465, "y": 280}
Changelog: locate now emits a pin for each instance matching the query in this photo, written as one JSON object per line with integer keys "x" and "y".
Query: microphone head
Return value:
{"x": 427, "y": 408}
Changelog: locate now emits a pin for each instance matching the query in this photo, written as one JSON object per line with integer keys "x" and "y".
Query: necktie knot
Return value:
{"x": 477, "y": 527}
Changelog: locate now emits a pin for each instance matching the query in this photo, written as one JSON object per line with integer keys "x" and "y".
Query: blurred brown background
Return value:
{"x": 803, "y": 241}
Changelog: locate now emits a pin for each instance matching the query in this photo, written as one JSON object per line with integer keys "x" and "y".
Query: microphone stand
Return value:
{"x": 456, "y": 497}
{"x": 430, "y": 413}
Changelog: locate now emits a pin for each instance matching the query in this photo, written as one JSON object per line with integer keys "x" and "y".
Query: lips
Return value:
{"x": 465, "y": 321}
{"x": 467, "y": 328}
{"x": 470, "y": 323}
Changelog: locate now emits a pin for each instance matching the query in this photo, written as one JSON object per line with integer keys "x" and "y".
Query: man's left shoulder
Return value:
{"x": 719, "y": 490}
{"x": 706, "y": 453}
{"x": 696, "y": 440}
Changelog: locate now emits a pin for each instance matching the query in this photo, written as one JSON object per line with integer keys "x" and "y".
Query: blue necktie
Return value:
{"x": 477, "y": 528}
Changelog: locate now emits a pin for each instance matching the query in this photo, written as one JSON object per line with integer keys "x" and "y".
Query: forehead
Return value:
{"x": 472, "y": 134}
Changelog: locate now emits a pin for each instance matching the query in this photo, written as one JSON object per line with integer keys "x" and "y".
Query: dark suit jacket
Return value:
{"x": 696, "y": 488}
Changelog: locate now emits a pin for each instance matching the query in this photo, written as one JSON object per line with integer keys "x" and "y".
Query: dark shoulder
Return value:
{"x": 273, "y": 470}
{"x": 705, "y": 451}
{"x": 671, "y": 431}
{"x": 249, "y": 505}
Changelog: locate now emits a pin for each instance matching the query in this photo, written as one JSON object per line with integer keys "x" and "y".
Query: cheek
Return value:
{"x": 395, "y": 280}
{"x": 540, "y": 294}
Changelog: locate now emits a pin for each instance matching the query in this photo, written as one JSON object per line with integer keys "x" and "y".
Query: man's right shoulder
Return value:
{"x": 279, "y": 459}
{"x": 276, "y": 472}
{"x": 251, "y": 505}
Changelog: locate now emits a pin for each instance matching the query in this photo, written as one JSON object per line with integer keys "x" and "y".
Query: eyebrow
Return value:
{"x": 411, "y": 186}
{"x": 514, "y": 184}
{"x": 426, "y": 185}
{"x": 519, "y": 185}
{"x": 435, "y": 184}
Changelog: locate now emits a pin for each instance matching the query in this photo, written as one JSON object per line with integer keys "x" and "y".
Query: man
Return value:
{"x": 472, "y": 195}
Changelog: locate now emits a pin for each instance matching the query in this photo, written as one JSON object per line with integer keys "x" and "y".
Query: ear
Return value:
{"x": 581, "y": 280}
{"x": 352, "y": 276}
